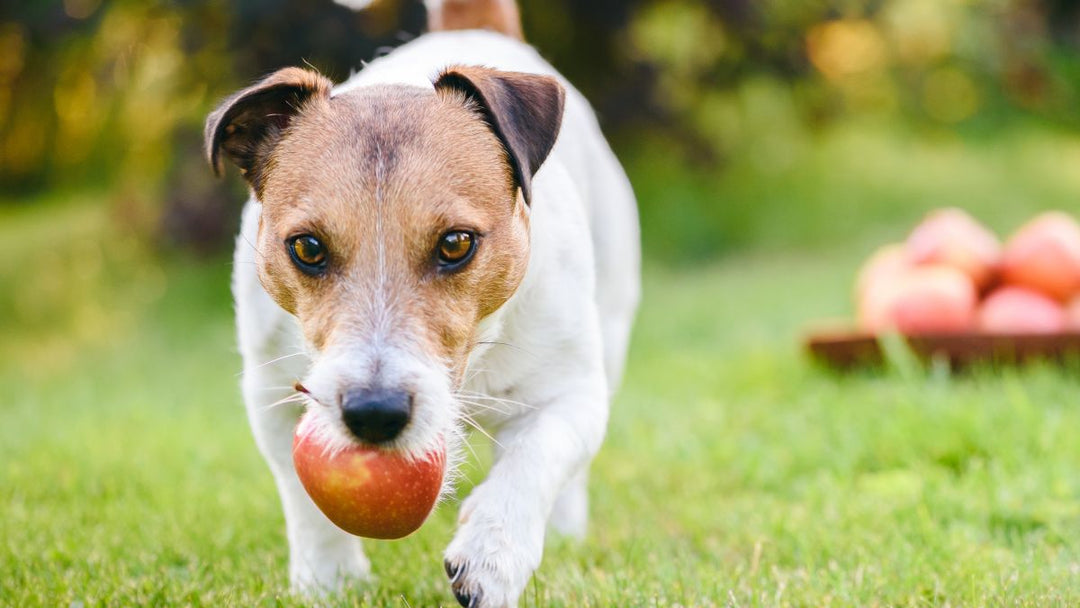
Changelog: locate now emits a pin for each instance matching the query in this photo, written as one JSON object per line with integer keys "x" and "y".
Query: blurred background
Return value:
{"x": 104, "y": 101}
{"x": 744, "y": 125}
{"x": 772, "y": 144}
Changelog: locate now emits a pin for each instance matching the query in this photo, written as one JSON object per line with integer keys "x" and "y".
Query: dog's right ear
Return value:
{"x": 247, "y": 125}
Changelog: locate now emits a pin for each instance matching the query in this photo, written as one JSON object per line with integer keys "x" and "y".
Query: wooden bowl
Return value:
{"x": 843, "y": 349}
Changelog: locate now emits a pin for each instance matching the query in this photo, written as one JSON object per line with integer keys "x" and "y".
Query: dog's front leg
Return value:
{"x": 500, "y": 538}
{"x": 321, "y": 556}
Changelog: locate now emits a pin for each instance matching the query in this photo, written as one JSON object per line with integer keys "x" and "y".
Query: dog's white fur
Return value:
{"x": 540, "y": 378}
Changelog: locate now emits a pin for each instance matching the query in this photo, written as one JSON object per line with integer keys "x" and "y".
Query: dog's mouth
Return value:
{"x": 327, "y": 425}
{"x": 388, "y": 420}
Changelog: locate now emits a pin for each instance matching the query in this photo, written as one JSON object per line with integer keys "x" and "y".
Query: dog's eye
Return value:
{"x": 456, "y": 247}
{"x": 308, "y": 253}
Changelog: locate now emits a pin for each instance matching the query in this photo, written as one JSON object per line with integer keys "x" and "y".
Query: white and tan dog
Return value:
{"x": 429, "y": 243}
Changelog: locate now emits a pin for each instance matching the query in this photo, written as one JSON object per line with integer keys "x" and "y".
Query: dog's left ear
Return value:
{"x": 524, "y": 110}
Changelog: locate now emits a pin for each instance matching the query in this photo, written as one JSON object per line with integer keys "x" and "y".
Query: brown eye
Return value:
{"x": 308, "y": 253}
{"x": 455, "y": 248}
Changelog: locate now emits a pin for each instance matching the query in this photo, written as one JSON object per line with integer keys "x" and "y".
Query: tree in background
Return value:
{"x": 111, "y": 95}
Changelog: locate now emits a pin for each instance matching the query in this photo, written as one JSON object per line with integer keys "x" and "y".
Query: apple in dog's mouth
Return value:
{"x": 365, "y": 490}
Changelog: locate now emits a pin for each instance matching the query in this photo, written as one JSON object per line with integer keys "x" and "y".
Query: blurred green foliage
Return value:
{"x": 110, "y": 96}
{"x": 94, "y": 92}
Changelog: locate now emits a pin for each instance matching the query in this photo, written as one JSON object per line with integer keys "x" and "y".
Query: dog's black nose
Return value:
{"x": 376, "y": 415}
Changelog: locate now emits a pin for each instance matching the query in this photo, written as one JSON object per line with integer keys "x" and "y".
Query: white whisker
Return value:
{"x": 293, "y": 398}
{"x": 473, "y": 373}
{"x": 281, "y": 358}
{"x": 468, "y": 420}
{"x": 464, "y": 440}
{"x": 485, "y": 407}
{"x": 506, "y": 344}
{"x": 472, "y": 395}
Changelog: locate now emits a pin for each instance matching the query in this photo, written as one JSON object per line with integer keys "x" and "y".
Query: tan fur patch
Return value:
{"x": 496, "y": 15}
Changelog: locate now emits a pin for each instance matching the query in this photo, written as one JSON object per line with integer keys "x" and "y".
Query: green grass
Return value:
{"x": 735, "y": 471}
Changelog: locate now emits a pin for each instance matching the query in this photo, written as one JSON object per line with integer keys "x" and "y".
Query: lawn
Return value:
{"x": 735, "y": 472}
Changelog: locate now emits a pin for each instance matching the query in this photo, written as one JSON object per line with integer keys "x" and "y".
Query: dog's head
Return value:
{"x": 394, "y": 220}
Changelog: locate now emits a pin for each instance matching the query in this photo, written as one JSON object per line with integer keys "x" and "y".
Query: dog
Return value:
{"x": 445, "y": 238}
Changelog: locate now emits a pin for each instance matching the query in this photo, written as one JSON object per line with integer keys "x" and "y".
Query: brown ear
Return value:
{"x": 524, "y": 110}
{"x": 246, "y": 126}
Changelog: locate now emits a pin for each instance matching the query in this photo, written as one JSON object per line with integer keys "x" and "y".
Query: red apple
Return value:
{"x": 883, "y": 265}
{"x": 954, "y": 238}
{"x": 1044, "y": 255}
{"x": 364, "y": 490}
{"x": 1018, "y": 310}
{"x": 922, "y": 299}
{"x": 1072, "y": 313}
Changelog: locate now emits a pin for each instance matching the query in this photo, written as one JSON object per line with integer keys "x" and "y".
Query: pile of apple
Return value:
{"x": 952, "y": 274}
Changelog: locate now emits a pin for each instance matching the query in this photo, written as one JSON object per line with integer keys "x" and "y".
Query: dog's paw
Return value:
{"x": 485, "y": 582}
{"x": 318, "y": 576}
{"x": 494, "y": 553}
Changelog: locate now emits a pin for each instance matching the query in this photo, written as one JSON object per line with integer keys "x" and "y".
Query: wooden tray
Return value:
{"x": 848, "y": 349}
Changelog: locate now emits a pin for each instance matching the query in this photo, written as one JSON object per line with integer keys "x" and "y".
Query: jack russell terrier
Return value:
{"x": 445, "y": 238}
